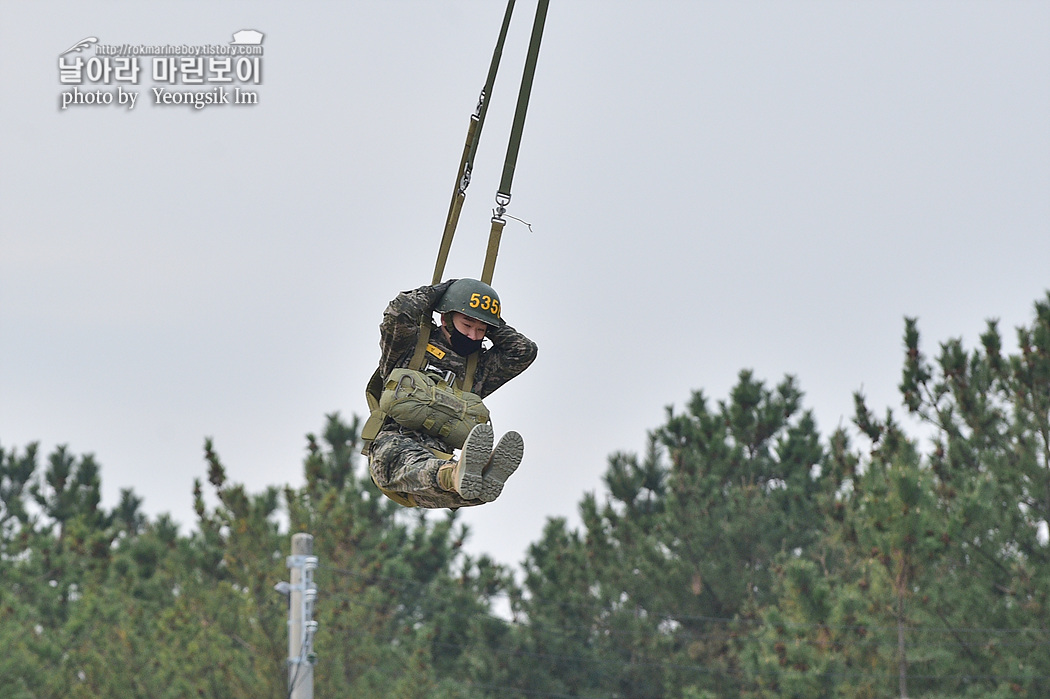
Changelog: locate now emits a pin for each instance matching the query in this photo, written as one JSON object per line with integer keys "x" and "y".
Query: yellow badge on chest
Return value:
{"x": 436, "y": 351}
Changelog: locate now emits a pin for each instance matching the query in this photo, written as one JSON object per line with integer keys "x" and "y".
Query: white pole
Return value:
{"x": 301, "y": 626}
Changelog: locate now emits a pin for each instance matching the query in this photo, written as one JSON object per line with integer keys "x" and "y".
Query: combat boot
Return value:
{"x": 465, "y": 476}
{"x": 506, "y": 458}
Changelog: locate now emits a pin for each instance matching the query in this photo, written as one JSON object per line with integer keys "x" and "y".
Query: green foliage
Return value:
{"x": 934, "y": 559}
{"x": 102, "y": 603}
{"x": 740, "y": 555}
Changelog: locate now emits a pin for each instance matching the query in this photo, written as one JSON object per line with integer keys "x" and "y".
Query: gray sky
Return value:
{"x": 712, "y": 186}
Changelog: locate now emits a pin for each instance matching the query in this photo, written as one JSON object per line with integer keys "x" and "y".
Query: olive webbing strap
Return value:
{"x": 495, "y": 233}
{"x": 503, "y": 193}
{"x": 513, "y": 145}
{"x": 470, "y": 148}
{"x": 523, "y": 98}
{"x": 416, "y": 363}
{"x": 486, "y": 93}
{"x": 472, "y": 365}
{"x": 454, "y": 208}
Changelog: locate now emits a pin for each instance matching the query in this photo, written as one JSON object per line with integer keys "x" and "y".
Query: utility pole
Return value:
{"x": 302, "y": 592}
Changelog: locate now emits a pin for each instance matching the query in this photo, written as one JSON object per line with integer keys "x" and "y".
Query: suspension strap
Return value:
{"x": 503, "y": 193}
{"x": 470, "y": 148}
{"x": 416, "y": 363}
{"x": 513, "y": 145}
{"x": 472, "y": 365}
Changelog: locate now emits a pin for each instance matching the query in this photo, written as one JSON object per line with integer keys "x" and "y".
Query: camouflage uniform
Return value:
{"x": 401, "y": 460}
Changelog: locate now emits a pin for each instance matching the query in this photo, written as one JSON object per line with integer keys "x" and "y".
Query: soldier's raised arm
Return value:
{"x": 400, "y": 325}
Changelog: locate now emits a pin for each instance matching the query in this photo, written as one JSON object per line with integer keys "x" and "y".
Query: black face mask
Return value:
{"x": 461, "y": 344}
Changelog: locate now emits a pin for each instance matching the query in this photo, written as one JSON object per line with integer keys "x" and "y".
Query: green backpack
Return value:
{"x": 423, "y": 402}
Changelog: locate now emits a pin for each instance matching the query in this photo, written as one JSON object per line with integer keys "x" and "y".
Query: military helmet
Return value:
{"x": 474, "y": 299}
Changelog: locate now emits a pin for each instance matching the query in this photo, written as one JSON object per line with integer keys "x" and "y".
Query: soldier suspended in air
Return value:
{"x": 433, "y": 381}
{"x": 426, "y": 396}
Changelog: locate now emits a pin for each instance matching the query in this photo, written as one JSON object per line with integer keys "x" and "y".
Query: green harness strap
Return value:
{"x": 470, "y": 149}
{"x": 374, "y": 389}
{"x": 509, "y": 163}
{"x": 416, "y": 362}
{"x": 477, "y": 120}
{"x": 459, "y": 193}
{"x": 375, "y": 385}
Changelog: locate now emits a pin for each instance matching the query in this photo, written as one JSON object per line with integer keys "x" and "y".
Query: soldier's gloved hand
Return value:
{"x": 438, "y": 290}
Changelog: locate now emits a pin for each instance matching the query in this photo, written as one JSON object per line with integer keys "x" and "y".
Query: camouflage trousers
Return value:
{"x": 404, "y": 465}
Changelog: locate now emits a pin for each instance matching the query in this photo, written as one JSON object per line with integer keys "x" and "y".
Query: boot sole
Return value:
{"x": 474, "y": 456}
{"x": 506, "y": 458}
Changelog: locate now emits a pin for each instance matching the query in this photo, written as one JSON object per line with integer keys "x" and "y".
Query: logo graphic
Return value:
{"x": 81, "y": 45}
{"x": 248, "y": 37}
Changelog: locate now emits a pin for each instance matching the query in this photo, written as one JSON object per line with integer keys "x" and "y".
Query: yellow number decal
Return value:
{"x": 486, "y": 303}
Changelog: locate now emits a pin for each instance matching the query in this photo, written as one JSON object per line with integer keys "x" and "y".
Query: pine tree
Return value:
{"x": 991, "y": 461}
{"x": 931, "y": 578}
{"x": 677, "y": 563}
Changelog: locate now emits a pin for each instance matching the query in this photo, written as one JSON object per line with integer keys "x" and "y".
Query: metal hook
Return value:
{"x": 397, "y": 388}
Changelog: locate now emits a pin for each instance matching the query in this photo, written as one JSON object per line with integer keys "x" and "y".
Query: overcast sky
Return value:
{"x": 712, "y": 186}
